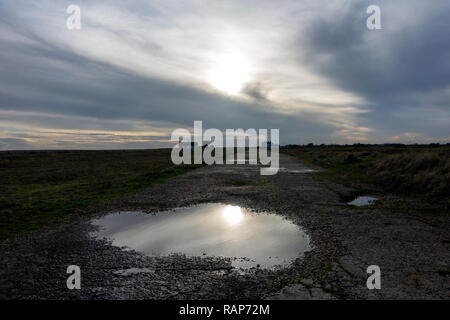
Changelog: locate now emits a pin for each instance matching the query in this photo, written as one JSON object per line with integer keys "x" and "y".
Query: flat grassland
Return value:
{"x": 43, "y": 187}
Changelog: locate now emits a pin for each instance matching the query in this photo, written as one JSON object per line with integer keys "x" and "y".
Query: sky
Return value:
{"x": 137, "y": 70}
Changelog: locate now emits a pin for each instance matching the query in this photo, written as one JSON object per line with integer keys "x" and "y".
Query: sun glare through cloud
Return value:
{"x": 230, "y": 73}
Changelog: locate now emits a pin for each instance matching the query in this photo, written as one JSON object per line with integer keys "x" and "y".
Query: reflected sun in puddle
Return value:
{"x": 233, "y": 214}
{"x": 208, "y": 230}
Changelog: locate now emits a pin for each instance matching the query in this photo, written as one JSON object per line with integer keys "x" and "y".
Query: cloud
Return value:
{"x": 14, "y": 144}
{"x": 402, "y": 71}
{"x": 136, "y": 70}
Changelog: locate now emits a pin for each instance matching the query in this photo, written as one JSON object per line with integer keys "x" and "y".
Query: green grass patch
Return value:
{"x": 43, "y": 187}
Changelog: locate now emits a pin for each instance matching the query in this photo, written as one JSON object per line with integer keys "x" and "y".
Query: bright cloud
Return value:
{"x": 309, "y": 68}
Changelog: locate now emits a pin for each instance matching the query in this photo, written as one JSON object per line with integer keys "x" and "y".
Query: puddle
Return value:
{"x": 214, "y": 229}
{"x": 299, "y": 171}
{"x": 287, "y": 170}
{"x": 363, "y": 201}
{"x": 131, "y": 271}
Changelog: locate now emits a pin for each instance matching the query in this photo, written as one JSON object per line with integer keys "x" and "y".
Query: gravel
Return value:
{"x": 413, "y": 256}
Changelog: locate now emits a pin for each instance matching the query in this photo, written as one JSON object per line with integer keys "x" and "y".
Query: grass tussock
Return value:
{"x": 426, "y": 173}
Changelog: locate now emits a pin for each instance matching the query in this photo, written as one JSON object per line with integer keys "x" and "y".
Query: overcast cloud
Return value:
{"x": 138, "y": 69}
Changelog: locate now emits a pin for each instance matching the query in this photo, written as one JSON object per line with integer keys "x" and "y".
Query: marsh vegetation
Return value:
{"x": 420, "y": 173}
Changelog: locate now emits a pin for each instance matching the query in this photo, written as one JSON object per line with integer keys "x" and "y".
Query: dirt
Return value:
{"x": 412, "y": 255}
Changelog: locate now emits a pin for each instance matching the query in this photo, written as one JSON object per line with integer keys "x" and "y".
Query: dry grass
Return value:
{"x": 421, "y": 173}
{"x": 426, "y": 172}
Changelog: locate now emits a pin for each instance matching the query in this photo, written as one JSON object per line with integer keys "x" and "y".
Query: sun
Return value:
{"x": 230, "y": 73}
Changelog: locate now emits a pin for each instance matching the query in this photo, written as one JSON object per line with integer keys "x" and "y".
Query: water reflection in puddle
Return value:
{"x": 208, "y": 230}
{"x": 363, "y": 201}
{"x": 306, "y": 170}
{"x": 287, "y": 170}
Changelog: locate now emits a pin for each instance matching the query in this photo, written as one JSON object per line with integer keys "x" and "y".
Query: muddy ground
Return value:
{"x": 413, "y": 256}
